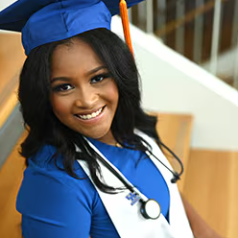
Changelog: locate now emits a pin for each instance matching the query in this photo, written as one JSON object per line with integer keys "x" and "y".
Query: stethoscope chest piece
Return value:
{"x": 150, "y": 209}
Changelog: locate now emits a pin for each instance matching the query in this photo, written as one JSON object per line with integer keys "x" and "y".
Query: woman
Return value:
{"x": 80, "y": 102}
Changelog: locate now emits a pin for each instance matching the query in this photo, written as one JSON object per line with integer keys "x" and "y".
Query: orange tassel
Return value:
{"x": 125, "y": 23}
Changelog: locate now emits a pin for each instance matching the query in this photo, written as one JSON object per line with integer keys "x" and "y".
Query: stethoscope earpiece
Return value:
{"x": 175, "y": 178}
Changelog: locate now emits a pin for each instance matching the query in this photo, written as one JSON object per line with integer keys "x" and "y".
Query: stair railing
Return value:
{"x": 151, "y": 17}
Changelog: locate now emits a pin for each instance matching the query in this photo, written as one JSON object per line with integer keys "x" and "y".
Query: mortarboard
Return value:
{"x": 44, "y": 21}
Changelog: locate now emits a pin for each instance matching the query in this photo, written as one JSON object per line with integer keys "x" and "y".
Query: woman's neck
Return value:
{"x": 108, "y": 139}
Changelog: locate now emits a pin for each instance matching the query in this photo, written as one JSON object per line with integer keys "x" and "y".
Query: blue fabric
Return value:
{"x": 53, "y": 204}
{"x": 44, "y": 21}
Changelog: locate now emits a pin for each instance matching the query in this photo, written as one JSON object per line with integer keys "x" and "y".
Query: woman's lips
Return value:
{"x": 91, "y": 117}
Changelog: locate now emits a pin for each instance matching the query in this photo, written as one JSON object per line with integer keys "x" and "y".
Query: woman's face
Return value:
{"x": 83, "y": 95}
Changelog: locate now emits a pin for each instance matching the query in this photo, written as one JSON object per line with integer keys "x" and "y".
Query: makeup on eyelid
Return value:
{"x": 99, "y": 78}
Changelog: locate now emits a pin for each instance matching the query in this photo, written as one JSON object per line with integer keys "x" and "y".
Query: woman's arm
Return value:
{"x": 199, "y": 227}
{"x": 52, "y": 205}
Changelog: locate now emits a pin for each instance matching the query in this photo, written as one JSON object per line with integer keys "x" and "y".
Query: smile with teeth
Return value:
{"x": 92, "y": 115}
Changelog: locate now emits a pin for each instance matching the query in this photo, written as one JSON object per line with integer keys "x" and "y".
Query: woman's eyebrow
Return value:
{"x": 90, "y": 72}
{"x": 93, "y": 71}
{"x": 60, "y": 79}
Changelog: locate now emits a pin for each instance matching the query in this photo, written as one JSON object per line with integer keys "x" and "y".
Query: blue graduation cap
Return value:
{"x": 44, "y": 21}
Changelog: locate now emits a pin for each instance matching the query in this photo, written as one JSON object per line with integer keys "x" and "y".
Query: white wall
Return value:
{"x": 226, "y": 63}
{"x": 5, "y": 3}
{"x": 171, "y": 83}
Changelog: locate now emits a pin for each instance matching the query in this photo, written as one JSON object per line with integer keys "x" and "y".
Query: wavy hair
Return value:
{"x": 44, "y": 127}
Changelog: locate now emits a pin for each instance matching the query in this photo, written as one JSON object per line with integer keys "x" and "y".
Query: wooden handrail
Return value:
{"x": 7, "y": 109}
{"x": 173, "y": 25}
{"x": 11, "y": 60}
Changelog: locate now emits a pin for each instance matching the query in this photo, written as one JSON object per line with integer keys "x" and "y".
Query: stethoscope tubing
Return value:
{"x": 175, "y": 156}
{"x": 126, "y": 183}
{"x": 144, "y": 201}
{"x": 116, "y": 172}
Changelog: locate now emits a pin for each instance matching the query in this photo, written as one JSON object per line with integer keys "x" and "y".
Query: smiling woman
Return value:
{"x": 93, "y": 166}
{"x": 85, "y": 89}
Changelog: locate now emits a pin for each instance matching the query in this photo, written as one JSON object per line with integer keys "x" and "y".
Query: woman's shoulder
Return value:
{"x": 43, "y": 157}
{"x": 49, "y": 164}
{"x": 44, "y": 174}
{"x": 50, "y": 197}
{"x": 48, "y": 158}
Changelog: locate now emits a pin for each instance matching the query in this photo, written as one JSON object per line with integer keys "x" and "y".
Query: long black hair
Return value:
{"x": 43, "y": 126}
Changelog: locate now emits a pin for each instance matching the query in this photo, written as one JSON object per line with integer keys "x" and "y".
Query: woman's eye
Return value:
{"x": 62, "y": 88}
{"x": 99, "y": 78}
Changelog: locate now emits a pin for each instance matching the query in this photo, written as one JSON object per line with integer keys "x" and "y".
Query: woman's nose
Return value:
{"x": 86, "y": 98}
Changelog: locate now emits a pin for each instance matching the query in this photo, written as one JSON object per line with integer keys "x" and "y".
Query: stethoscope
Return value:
{"x": 150, "y": 208}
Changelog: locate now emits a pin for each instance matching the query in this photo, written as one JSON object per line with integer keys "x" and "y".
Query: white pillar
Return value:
{"x": 236, "y": 67}
{"x": 235, "y": 24}
{"x": 161, "y": 17}
{"x": 129, "y": 14}
{"x": 149, "y": 16}
{"x": 180, "y": 11}
{"x": 198, "y": 34}
{"x": 215, "y": 37}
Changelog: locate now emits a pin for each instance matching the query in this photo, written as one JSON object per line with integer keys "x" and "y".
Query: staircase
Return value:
{"x": 193, "y": 29}
{"x": 11, "y": 61}
{"x": 11, "y": 169}
{"x": 209, "y": 181}
{"x": 211, "y": 187}
{"x": 11, "y": 174}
